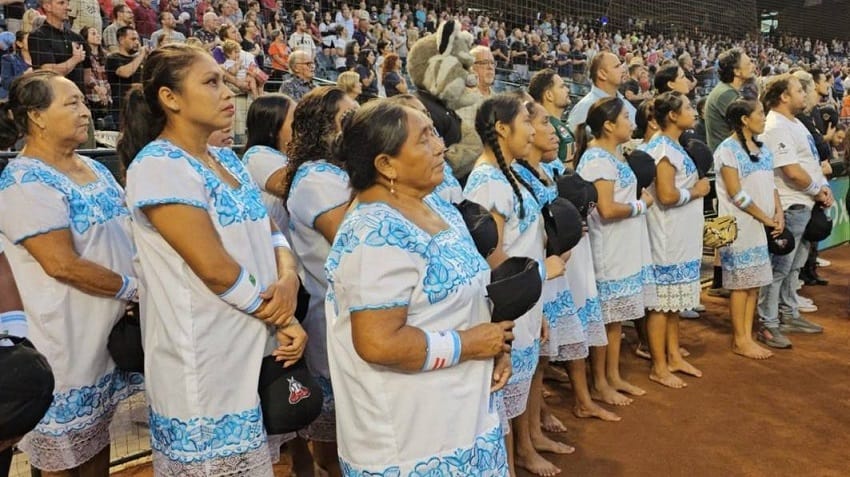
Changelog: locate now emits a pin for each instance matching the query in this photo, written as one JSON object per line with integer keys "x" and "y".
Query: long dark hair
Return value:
{"x": 313, "y": 130}
{"x": 265, "y": 118}
{"x": 100, "y": 54}
{"x": 665, "y": 75}
{"x": 501, "y": 108}
{"x": 379, "y": 127}
{"x": 734, "y": 112}
{"x": 602, "y": 111}
{"x": 30, "y": 92}
{"x": 143, "y": 117}
{"x": 666, "y": 103}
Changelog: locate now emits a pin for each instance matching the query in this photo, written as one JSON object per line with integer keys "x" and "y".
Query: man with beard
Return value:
{"x": 549, "y": 90}
{"x": 124, "y": 68}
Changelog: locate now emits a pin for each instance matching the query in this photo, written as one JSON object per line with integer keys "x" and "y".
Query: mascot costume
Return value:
{"x": 439, "y": 66}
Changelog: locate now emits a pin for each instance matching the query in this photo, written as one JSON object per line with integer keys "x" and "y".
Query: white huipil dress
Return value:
{"x": 746, "y": 261}
{"x": 392, "y": 423}
{"x": 617, "y": 245}
{"x": 450, "y": 189}
{"x": 566, "y": 337}
{"x": 262, "y": 162}
{"x": 69, "y": 326}
{"x": 521, "y": 237}
{"x": 675, "y": 233}
{"x": 317, "y": 187}
{"x": 202, "y": 355}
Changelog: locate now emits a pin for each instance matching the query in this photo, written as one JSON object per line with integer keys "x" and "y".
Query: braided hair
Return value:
{"x": 500, "y": 108}
{"x": 736, "y": 110}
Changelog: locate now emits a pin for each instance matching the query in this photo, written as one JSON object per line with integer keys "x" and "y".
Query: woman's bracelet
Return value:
{"x": 244, "y": 294}
{"x": 442, "y": 349}
{"x": 638, "y": 207}
{"x": 742, "y": 200}
{"x": 279, "y": 240}
{"x": 813, "y": 189}
{"x": 684, "y": 197}
{"x": 129, "y": 289}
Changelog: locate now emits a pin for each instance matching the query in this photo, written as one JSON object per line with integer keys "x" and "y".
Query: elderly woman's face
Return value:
{"x": 67, "y": 117}
{"x": 419, "y": 163}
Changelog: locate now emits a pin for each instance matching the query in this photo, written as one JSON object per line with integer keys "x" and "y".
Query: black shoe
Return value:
{"x": 811, "y": 278}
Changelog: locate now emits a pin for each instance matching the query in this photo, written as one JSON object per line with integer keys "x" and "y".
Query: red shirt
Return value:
{"x": 145, "y": 20}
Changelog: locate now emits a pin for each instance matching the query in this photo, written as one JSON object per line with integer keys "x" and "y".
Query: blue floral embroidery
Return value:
{"x": 524, "y": 362}
{"x": 83, "y": 407}
{"x": 621, "y": 287}
{"x": 733, "y": 259}
{"x": 647, "y": 274}
{"x": 625, "y": 175}
{"x": 94, "y": 203}
{"x": 685, "y": 272}
{"x": 690, "y": 167}
{"x": 486, "y": 458}
{"x": 484, "y": 173}
{"x": 206, "y": 438}
{"x": 591, "y": 311}
{"x": 543, "y": 193}
{"x": 560, "y": 307}
{"x": 316, "y": 166}
{"x": 450, "y": 187}
{"x": 554, "y": 168}
{"x": 745, "y": 165}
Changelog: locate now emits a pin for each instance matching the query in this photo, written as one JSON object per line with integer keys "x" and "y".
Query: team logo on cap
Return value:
{"x": 297, "y": 391}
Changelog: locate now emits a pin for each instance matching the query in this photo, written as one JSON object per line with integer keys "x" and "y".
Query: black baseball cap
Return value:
{"x": 26, "y": 387}
{"x": 514, "y": 288}
{"x": 289, "y": 397}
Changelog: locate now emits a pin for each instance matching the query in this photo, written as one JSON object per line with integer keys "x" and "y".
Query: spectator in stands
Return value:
{"x": 168, "y": 24}
{"x": 393, "y": 81}
{"x": 239, "y": 64}
{"x": 251, "y": 40}
{"x": 14, "y": 11}
{"x": 606, "y": 73}
{"x": 484, "y": 67}
{"x": 801, "y": 185}
{"x": 98, "y": 90}
{"x": 361, "y": 36}
{"x": 230, "y": 12}
{"x": 122, "y": 16}
{"x": 366, "y": 69}
{"x": 579, "y": 59}
{"x": 687, "y": 64}
{"x": 124, "y": 67}
{"x": 85, "y": 13}
{"x": 208, "y": 33}
{"x": 56, "y": 48}
{"x": 302, "y": 67}
{"x": 73, "y": 259}
{"x": 144, "y": 19}
{"x": 349, "y": 81}
{"x": 671, "y": 78}
{"x": 631, "y": 89}
{"x": 279, "y": 54}
{"x": 344, "y": 18}
{"x": 501, "y": 51}
{"x": 225, "y": 32}
{"x": 519, "y": 54}
{"x": 15, "y": 62}
{"x": 549, "y": 90}
{"x": 302, "y": 40}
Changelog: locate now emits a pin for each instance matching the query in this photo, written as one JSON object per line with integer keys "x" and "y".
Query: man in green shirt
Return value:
{"x": 549, "y": 90}
{"x": 734, "y": 69}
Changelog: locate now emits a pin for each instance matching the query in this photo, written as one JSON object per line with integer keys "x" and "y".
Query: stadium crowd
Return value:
{"x": 405, "y": 313}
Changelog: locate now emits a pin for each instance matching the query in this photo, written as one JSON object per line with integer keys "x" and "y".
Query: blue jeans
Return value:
{"x": 780, "y": 296}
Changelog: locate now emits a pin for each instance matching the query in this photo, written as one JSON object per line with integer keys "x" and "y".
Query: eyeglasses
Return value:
{"x": 485, "y": 63}
{"x": 309, "y": 63}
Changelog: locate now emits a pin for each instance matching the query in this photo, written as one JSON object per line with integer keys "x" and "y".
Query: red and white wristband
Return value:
{"x": 442, "y": 349}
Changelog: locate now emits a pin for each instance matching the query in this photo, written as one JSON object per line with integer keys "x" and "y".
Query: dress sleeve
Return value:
{"x": 317, "y": 189}
{"x": 595, "y": 168}
{"x": 31, "y": 207}
{"x": 262, "y": 164}
{"x": 155, "y": 179}
{"x": 493, "y": 194}
{"x": 725, "y": 156}
{"x": 663, "y": 149}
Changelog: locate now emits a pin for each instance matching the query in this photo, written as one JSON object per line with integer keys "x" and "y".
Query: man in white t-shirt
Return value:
{"x": 801, "y": 186}
{"x": 301, "y": 39}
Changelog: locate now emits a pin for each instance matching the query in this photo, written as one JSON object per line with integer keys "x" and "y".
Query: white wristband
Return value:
{"x": 442, "y": 349}
{"x": 684, "y": 197}
{"x": 813, "y": 189}
{"x": 244, "y": 294}
{"x": 742, "y": 200}
{"x": 279, "y": 240}
{"x": 638, "y": 207}
{"x": 14, "y": 323}
{"x": 129, "y": 289}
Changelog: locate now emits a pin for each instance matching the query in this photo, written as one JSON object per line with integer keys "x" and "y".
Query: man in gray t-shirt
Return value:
{"x": 735, "y": 68}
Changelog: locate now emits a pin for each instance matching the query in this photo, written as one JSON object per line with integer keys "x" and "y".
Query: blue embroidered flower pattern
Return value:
{"x": 625, "y": 175}
{"x": 647, "y": 275}
{"x": 543, "y": 193}
{"x": 83, "y": 407}
{"x": 450, "y": 187}
{"x": 560, "y": 307}
{"x": 745, "y": 165}
{"x": 94, "y": 203}
{"x": 484, "y": 173}
{"x": 621, "y": 287}
{"x": 690, "y": 167}
{"x": 486, "y": 458}
{"x": 733, "y": 259}
{"x": 316, "y": 166}
{"x": 685, "y": 272}
{"x": 524, "y": 362}
{"x": 591, "y": 311}
{"x": 205, "y": 438}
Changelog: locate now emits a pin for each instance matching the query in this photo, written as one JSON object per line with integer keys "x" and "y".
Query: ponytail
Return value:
{"x": 139, "y": 124}
{"x": 582, "y": 138}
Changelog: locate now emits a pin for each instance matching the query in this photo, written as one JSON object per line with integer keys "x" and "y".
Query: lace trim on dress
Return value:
{"x": 746, "y": 278}
{"x": 66, "y": 451}
{"x": 254, "y": 463}
{"x": 679, "y": 297}
{"x": 616, "y": 310}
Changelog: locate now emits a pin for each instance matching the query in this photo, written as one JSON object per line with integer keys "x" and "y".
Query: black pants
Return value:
{"x": 5, "y": 462}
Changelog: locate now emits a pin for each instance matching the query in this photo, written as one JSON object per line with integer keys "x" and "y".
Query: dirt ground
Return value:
{"x": 785, "y": 416}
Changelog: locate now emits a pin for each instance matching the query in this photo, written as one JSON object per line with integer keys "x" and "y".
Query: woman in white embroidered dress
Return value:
{"x": 317, "y": 195}
{"x": 269, "y": 128}
{"x": 67, "y": 237}
{"x": 616, "y": 227}
{"x": 411, "y": 346}
{"x": 747, "y": 191}
{"x": 218, "y": 274}
{"x": 675, "y": 235}
{"x": 507, "y": 133}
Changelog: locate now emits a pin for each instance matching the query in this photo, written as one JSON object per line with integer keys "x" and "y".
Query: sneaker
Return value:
{"x": 699, "y": 308}
{"x": 807, "y": 307}
{"x": 718, "y": 292}
{"x": 799, "y": 325}
{"x": 772, "y": 337}
{"x": 689, "y": 314}
{"x": 822, "y": 262}
{"x": 801, "y": 300}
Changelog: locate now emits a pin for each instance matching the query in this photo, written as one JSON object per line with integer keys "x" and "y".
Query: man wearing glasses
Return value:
{"x": 484, "y": 67}
{"x": 301, "y": 82}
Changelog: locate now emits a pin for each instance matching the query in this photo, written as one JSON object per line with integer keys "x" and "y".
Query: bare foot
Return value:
{"x": 685, "y": 353}
{"x": 624, "y": 386}
{"x": 642, "y": 352}
{"x": 751, "y": 350}
{"x": 595, "y": 410}
{"x": 550, "y": 423}
{"x": 667, "y": 379}
{"x": 552, "y": 373}
{"x": 536, "y": 464}
{"x": 682, "y": 366}
{"x": 611, "y": 396}
{"x": 542, "y": 443}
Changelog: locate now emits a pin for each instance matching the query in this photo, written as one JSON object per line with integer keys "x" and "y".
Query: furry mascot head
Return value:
{"x": 440, "y": 64}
